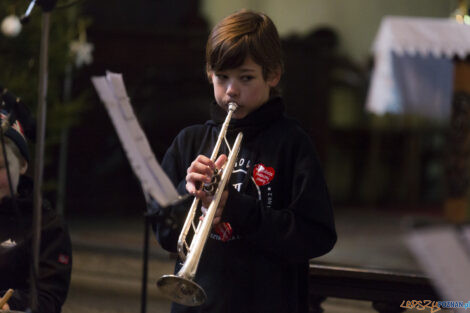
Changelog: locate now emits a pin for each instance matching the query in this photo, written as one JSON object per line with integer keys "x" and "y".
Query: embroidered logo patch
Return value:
{"x": 63, "y": 258}
{"x": 262, "y": 174}
{"x": 224, "y": 230}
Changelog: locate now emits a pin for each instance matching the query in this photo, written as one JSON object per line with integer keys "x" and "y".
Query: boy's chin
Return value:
{"x": 239, "y": 115}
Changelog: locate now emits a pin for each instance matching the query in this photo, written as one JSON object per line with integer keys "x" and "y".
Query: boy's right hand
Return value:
{"x": 201, "y": 171}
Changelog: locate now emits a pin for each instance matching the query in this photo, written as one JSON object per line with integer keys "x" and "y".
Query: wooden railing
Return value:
{"x": 385, "y": 289}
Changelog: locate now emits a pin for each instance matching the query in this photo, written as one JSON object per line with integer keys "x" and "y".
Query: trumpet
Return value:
{"x": 181, "y": 288}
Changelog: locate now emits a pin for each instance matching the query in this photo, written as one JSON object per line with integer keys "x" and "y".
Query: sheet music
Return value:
{"x": 443, "y": 253}
{"x": 155, "y": 182}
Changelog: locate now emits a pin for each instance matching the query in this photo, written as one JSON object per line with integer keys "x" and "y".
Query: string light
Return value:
{"x": 11, "y": 26}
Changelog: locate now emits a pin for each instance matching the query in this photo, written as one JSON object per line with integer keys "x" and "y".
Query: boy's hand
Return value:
{"x": 220, "y": 208}
{"x": 201, "y": 171}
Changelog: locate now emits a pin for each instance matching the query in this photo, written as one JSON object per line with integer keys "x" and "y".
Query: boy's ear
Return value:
{"x": 274, "y": 77}
{"x": 210, "y": 76}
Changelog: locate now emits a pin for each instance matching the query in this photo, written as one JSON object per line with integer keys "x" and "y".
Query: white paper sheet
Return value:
{"x": 155, "y": 182}
{"x": 443, "y": 253}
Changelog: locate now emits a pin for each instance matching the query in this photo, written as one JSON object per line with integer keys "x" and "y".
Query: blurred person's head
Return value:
{"x": 17, "y": 154}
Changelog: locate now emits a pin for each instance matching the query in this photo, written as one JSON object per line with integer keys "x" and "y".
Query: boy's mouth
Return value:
{"x": 231, "y": 101}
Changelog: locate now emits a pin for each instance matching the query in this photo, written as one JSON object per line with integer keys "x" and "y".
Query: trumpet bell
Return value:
{"x": 181, "y": 290}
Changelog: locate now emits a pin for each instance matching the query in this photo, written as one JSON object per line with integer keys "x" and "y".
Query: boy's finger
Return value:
{"x": 220, "y": 161}
{"x": 205, "y": 160}
{"x": 200, "y": 168}
{"x": 196, "y": 177}
{"x": 193, "y": 190}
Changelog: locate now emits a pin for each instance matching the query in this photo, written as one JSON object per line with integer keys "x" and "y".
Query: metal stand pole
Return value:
{"x": 39, "y": 154}
{"x": 143, "y": 300}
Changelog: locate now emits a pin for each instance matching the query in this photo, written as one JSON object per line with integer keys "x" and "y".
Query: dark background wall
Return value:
{"x": 159, "y": 48}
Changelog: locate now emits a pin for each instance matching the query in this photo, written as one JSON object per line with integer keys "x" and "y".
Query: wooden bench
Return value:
{"x": 385, "y": 289}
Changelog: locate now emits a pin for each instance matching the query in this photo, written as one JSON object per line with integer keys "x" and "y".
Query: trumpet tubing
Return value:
{"x": 181, "y": 288}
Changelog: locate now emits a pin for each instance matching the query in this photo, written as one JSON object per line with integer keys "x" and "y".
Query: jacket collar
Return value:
{"x": 250, "y": 125}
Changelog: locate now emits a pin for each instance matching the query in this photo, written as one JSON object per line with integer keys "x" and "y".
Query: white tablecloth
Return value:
{"x": 413, "y": 70}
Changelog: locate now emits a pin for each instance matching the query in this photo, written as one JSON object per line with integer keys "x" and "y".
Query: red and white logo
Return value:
{"x": 64, "y": 259}
{"x": 262, "y": 174}
{"x": 224, "y": 230}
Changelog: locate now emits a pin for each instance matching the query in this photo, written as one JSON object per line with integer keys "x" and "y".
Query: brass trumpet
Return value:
{"x": 181, "y": 288}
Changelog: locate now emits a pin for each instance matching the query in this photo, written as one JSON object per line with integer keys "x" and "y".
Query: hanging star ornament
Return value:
{"x": 81, "y": 49}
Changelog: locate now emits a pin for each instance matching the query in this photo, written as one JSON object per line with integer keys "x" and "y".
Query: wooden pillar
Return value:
{"x": 458, "y": 157}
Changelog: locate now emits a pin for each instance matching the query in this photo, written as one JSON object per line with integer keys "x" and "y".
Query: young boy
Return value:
{"x": 55, "y": 260}
{"x": 277, "y": 205}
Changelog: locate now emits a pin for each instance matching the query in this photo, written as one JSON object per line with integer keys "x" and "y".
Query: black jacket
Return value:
{"x": 278, "y": 207}
{"x": 55, "y": 261}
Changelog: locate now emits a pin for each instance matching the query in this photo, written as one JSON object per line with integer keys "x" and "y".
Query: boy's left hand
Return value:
{"x": 220, "y": 208}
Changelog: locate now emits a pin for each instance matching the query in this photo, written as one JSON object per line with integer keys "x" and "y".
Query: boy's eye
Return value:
{"x": 221, "y": 76}
{"x": 246, "y": 78}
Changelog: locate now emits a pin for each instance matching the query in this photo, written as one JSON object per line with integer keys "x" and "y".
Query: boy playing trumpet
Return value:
{"x": 276, "y": 213}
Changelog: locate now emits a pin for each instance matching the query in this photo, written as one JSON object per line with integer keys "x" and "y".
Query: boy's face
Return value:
{"x": 15, "y": 170}
{"x": 244, "y": 85}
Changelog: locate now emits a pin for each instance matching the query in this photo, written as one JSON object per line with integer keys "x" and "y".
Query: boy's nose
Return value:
{"x": 232, "y": 90}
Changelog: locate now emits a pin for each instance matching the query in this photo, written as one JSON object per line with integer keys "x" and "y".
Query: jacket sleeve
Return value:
{"x": 303, "y": 227}
{"x": 55, "y": 267}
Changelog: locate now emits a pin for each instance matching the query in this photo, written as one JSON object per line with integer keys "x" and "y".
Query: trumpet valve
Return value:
{"x": 211, "y": 187}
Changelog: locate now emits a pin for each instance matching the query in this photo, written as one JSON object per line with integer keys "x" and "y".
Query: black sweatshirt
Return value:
{"x": 55, "y": 259}
{"x": 278, "y": 207}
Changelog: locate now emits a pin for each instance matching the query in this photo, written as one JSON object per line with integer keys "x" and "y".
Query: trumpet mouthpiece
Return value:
{"x": 232, "y": 106}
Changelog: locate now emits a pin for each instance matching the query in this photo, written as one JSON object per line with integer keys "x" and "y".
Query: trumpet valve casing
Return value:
{"x": 211, "y": 187}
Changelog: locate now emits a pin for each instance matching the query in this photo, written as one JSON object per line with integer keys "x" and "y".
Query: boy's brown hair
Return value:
{"x": 244, "y": 33}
